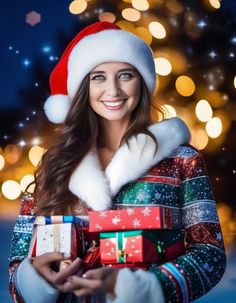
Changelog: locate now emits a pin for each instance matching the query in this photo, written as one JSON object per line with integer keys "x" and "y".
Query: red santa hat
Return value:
{"x": 96, "y": 44}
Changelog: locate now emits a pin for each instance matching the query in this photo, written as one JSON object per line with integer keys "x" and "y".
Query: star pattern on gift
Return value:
{"x": 136, "y": 222}
{"x": 98, "y": 226}
{"x": 146, "y": 211}
{"x": 103, "y": 214}
{"x": 130, "y": 211}
{"x": 116, "y": 220}
{"x": 33, "y": 18}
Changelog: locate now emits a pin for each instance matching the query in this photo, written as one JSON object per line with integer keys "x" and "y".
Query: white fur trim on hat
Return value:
{"x": 110, "y": 46}
{"x": 56, "y": 108}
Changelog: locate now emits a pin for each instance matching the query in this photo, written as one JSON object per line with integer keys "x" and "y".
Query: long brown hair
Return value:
{"x": 76, "y": 136}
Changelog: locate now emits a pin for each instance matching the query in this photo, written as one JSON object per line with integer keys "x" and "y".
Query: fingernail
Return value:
{"x": 66, "y": 255}
{"x": 84, "y": 276}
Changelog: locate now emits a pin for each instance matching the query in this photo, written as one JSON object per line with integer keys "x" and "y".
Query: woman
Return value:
{"x": 109, "y": 155}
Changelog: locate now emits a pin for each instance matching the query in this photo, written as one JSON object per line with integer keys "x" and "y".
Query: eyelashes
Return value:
{"x": 101, "y": 77}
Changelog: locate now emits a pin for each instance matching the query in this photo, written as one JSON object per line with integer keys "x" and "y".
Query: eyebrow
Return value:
{"x": 121, "y": 70}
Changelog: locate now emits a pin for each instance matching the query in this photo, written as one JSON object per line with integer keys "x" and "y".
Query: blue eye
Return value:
{"x": 97, "y": 77}
{"x": 126, "y": 75}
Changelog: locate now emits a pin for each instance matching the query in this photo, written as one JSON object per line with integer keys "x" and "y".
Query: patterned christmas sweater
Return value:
{"x": 179, "y": 183}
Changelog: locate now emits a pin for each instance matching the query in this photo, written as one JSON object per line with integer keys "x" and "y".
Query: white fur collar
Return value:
{"x": 97, "y": 187}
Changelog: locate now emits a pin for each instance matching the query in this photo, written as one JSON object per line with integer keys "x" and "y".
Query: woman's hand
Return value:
{"x": 44, "y": 266}
{"x": 95, "y": 281}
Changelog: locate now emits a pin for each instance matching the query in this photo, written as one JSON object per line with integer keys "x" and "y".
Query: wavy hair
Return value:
{"x": 75, "y": 138}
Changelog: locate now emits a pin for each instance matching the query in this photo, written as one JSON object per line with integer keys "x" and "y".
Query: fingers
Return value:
{"x": 77, "y": 284}
{"x": 70, "y": 270}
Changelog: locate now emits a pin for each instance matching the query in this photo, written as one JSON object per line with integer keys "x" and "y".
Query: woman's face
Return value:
{"x": 114, "y": 90}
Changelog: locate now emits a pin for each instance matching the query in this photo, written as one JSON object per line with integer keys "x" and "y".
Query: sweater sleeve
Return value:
{"x": 196, "y": 272}
{"x": 25, "y": 283}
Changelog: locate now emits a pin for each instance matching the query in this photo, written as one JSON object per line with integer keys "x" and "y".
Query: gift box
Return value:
{"x": 137, "y": 246}
{"x": 154, "y": 217}
{"x": 63, "y": 234}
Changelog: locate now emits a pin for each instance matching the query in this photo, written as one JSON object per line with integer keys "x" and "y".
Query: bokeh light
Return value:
{"x": 131, "y": 14}
{"x": 78, "y": 6}
{"x": 11, "y": 189}
{"x": 203, "y": 111}
{"x": 169, "y": 111}
{"x": 12, "y": 153}
{"x": 35, "y": 154}
{"x": 157, "y": 30}
{"x": 215, "y": 3}
{"x": 107, "y": 16}
{"x": 163, "y": 66}
{"x": 214, "y": 127}
{"x": 2, "y": 162}
{"x": 141, "y": 5}
{"x": 25, "y": 181}
{"x": 185, "y": 86}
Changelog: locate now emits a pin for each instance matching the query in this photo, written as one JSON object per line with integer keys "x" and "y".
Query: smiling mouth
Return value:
{"x": 114, "y": 105}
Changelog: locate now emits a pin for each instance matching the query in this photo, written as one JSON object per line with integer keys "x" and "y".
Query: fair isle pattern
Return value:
{"x": 180, "y": 278}
{"x": 22, "y": 234}
{"x": 202, "y": 211}
{"x": 178, "y": 183}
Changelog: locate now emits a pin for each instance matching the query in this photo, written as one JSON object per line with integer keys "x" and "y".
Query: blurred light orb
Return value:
{"x": 141, "y": 5}
{"x": 199, "y": 138}
{"x": 78, "y": 6}
{"x": 131, "y": 14}
{"x": 203, "y": 111}
{"x": 144, "y": 34}
{"x": 157, "y": 30}
{"x": 12, "y": 153}
{"x": 11, "y": 189}
{"x": 185, "y": 86}
{"x": 25, "y": 181}
{"x": 107, "y": 16}
{"x": 235, "y": 81}
{"x": 169, "y": 111}
{"x": 162, "y": 66}
{"x": 215, "y": 3}
{"x": 36, "y": 141}
{"x": 2, "y": 162}
{"x": 35, "y": 154}
{"x": 214, "y": 127}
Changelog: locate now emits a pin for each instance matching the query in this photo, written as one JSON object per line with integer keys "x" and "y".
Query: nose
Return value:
{"x": 113, "y": 87}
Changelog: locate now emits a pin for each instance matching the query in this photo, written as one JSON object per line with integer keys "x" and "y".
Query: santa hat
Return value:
{"x": 96, "y": 44}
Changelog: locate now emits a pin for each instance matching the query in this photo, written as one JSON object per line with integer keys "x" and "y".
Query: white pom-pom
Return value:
{"x": 56, "y": 108}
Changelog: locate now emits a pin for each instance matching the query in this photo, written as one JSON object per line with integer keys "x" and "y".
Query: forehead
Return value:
{"x": 108, "y": 66}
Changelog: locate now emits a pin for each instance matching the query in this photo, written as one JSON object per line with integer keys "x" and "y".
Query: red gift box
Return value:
{"x": 137, "y": 246}
{"x": 154, "y": 217}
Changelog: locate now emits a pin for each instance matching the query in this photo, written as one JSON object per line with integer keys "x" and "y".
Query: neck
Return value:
{"x": 111, "y": 133}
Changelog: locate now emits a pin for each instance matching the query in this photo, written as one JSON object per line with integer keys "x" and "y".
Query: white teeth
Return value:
{"x": 113, "y": 103}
